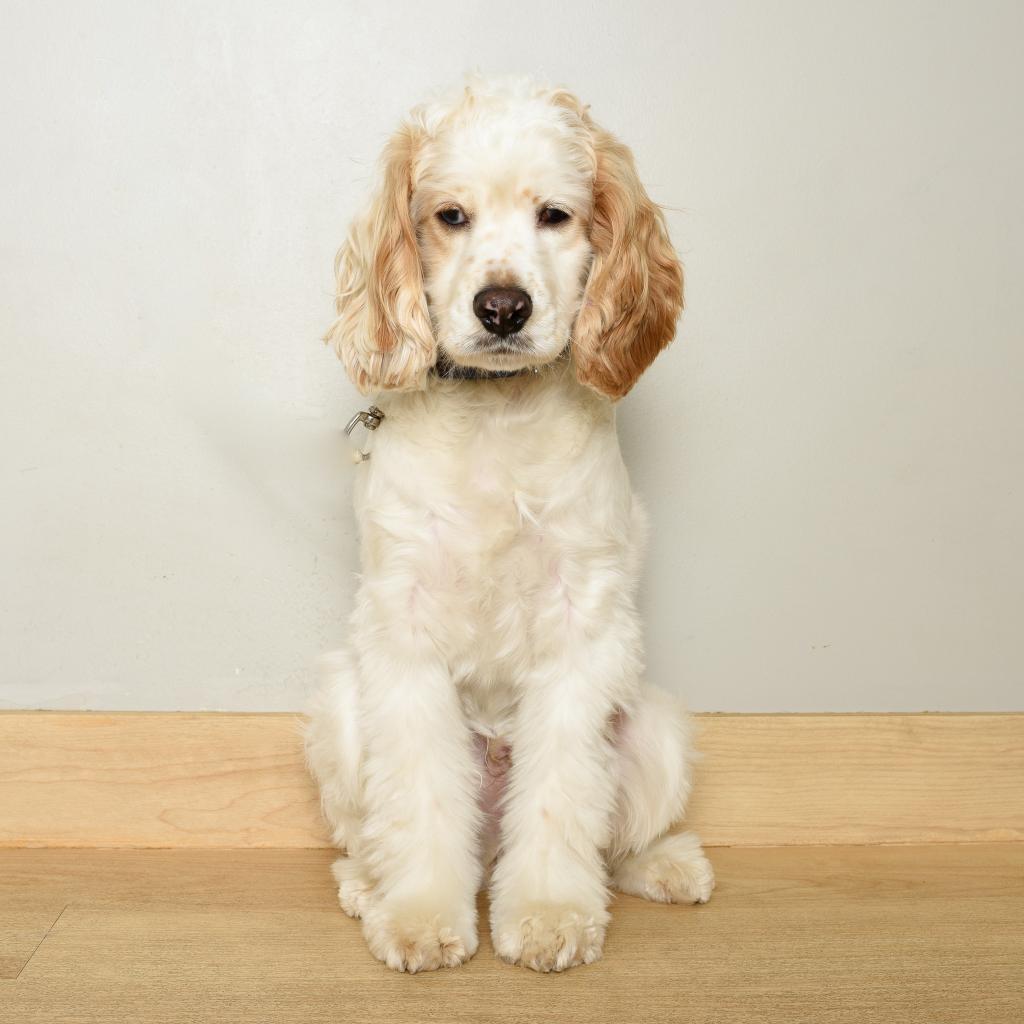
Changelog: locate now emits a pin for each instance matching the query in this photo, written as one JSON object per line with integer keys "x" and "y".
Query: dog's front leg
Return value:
{"x": 549, "y": 895}
{"x": 419, "y": 835}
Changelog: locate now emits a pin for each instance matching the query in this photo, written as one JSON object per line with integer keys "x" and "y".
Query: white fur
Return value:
{"x": 506, "y": 155}
{"x": 500, "y": 549}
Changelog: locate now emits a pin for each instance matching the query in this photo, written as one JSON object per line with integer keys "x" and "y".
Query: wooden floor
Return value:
{"x": 860, "y": 934}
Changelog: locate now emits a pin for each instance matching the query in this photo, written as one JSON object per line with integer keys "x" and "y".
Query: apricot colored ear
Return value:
{"x": 634, "y": 294}
{"x": 383, "y": 332}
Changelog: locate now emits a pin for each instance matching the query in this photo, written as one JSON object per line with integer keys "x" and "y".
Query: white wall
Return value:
{"x": 832, "y": 451}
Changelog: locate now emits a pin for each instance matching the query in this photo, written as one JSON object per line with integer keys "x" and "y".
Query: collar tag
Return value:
{"x": 370, "y": 419}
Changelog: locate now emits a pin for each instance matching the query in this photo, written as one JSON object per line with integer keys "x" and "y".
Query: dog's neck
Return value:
{"x": 551, "y": 391}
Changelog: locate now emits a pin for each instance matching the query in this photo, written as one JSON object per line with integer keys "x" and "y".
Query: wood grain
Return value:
{"x": 238, "y": 780}
{"x": 22, "y": 930}
{"x": 860, "y": 778}
{"x": 858, "y": 935}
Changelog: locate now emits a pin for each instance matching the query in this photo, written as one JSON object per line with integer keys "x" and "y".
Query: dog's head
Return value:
{"x": 507, "y": 227}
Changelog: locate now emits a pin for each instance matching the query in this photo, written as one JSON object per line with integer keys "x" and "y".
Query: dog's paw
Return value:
{"x": 415, "y": 942}
{"x": 672, "y": 869}
{"x": 548, "y": 937}
{"x": 354, "y": 888}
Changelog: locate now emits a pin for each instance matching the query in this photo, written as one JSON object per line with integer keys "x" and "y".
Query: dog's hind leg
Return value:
{"x": 334, "y": 752}
{"x": 334, "y": 748}
{"x": 655, "y": 775}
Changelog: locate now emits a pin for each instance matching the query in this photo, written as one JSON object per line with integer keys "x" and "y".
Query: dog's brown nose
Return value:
{"x": 503, "y": 311}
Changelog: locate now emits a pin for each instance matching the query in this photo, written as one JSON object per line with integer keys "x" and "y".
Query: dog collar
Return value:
{"x": 445, "y": 369}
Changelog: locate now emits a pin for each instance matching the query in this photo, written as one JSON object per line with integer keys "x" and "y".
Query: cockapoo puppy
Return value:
{"x": 488, "y": 723}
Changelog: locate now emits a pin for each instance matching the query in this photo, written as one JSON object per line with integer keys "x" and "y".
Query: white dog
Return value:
{"x": 510, "y": 280}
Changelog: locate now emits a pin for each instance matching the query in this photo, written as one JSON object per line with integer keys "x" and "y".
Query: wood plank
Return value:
{"x": 846, "y": 935}
{"x": 238, "y": 780}
{"x": 229, "y": 879}
{"x": 860, "y": 778}
{"x": 152, "y": 780}
{"x": 24, "y": 923}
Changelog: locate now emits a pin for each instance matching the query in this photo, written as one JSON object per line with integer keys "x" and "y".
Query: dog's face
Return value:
{"x": 501, "y": 205}
{"x": 507, "y": 228}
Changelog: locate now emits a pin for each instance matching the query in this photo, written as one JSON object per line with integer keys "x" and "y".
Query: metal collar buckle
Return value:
{"x": 370, "y": 418}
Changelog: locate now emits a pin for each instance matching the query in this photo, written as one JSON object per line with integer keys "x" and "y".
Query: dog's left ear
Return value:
{"x": 634, "y": 294}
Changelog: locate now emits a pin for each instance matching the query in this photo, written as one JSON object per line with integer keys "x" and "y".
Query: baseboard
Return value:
{"x": 238, "y": 780}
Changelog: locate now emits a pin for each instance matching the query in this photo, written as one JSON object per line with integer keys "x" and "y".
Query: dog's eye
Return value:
{"x": 453, "y": 217}
{"x": 551, "y": 215}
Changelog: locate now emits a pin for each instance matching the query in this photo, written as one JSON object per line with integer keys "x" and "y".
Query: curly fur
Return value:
{"x": 488, "y": 722}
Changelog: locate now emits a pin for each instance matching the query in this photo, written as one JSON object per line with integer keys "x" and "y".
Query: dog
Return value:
{"x": 488, "y": 723}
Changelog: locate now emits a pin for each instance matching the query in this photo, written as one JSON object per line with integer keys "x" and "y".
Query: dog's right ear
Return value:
{"x": 383, "y": 333}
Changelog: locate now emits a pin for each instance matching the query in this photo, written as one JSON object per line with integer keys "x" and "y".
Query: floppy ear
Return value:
{"x": 634, "y": 294}
{"x": 383, "y": 332}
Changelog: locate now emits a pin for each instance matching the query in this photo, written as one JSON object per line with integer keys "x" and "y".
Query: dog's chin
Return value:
{"x": 491, "y": 354}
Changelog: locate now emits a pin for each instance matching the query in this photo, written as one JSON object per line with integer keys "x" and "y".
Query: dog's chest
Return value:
{"x": 475, "y": 498}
